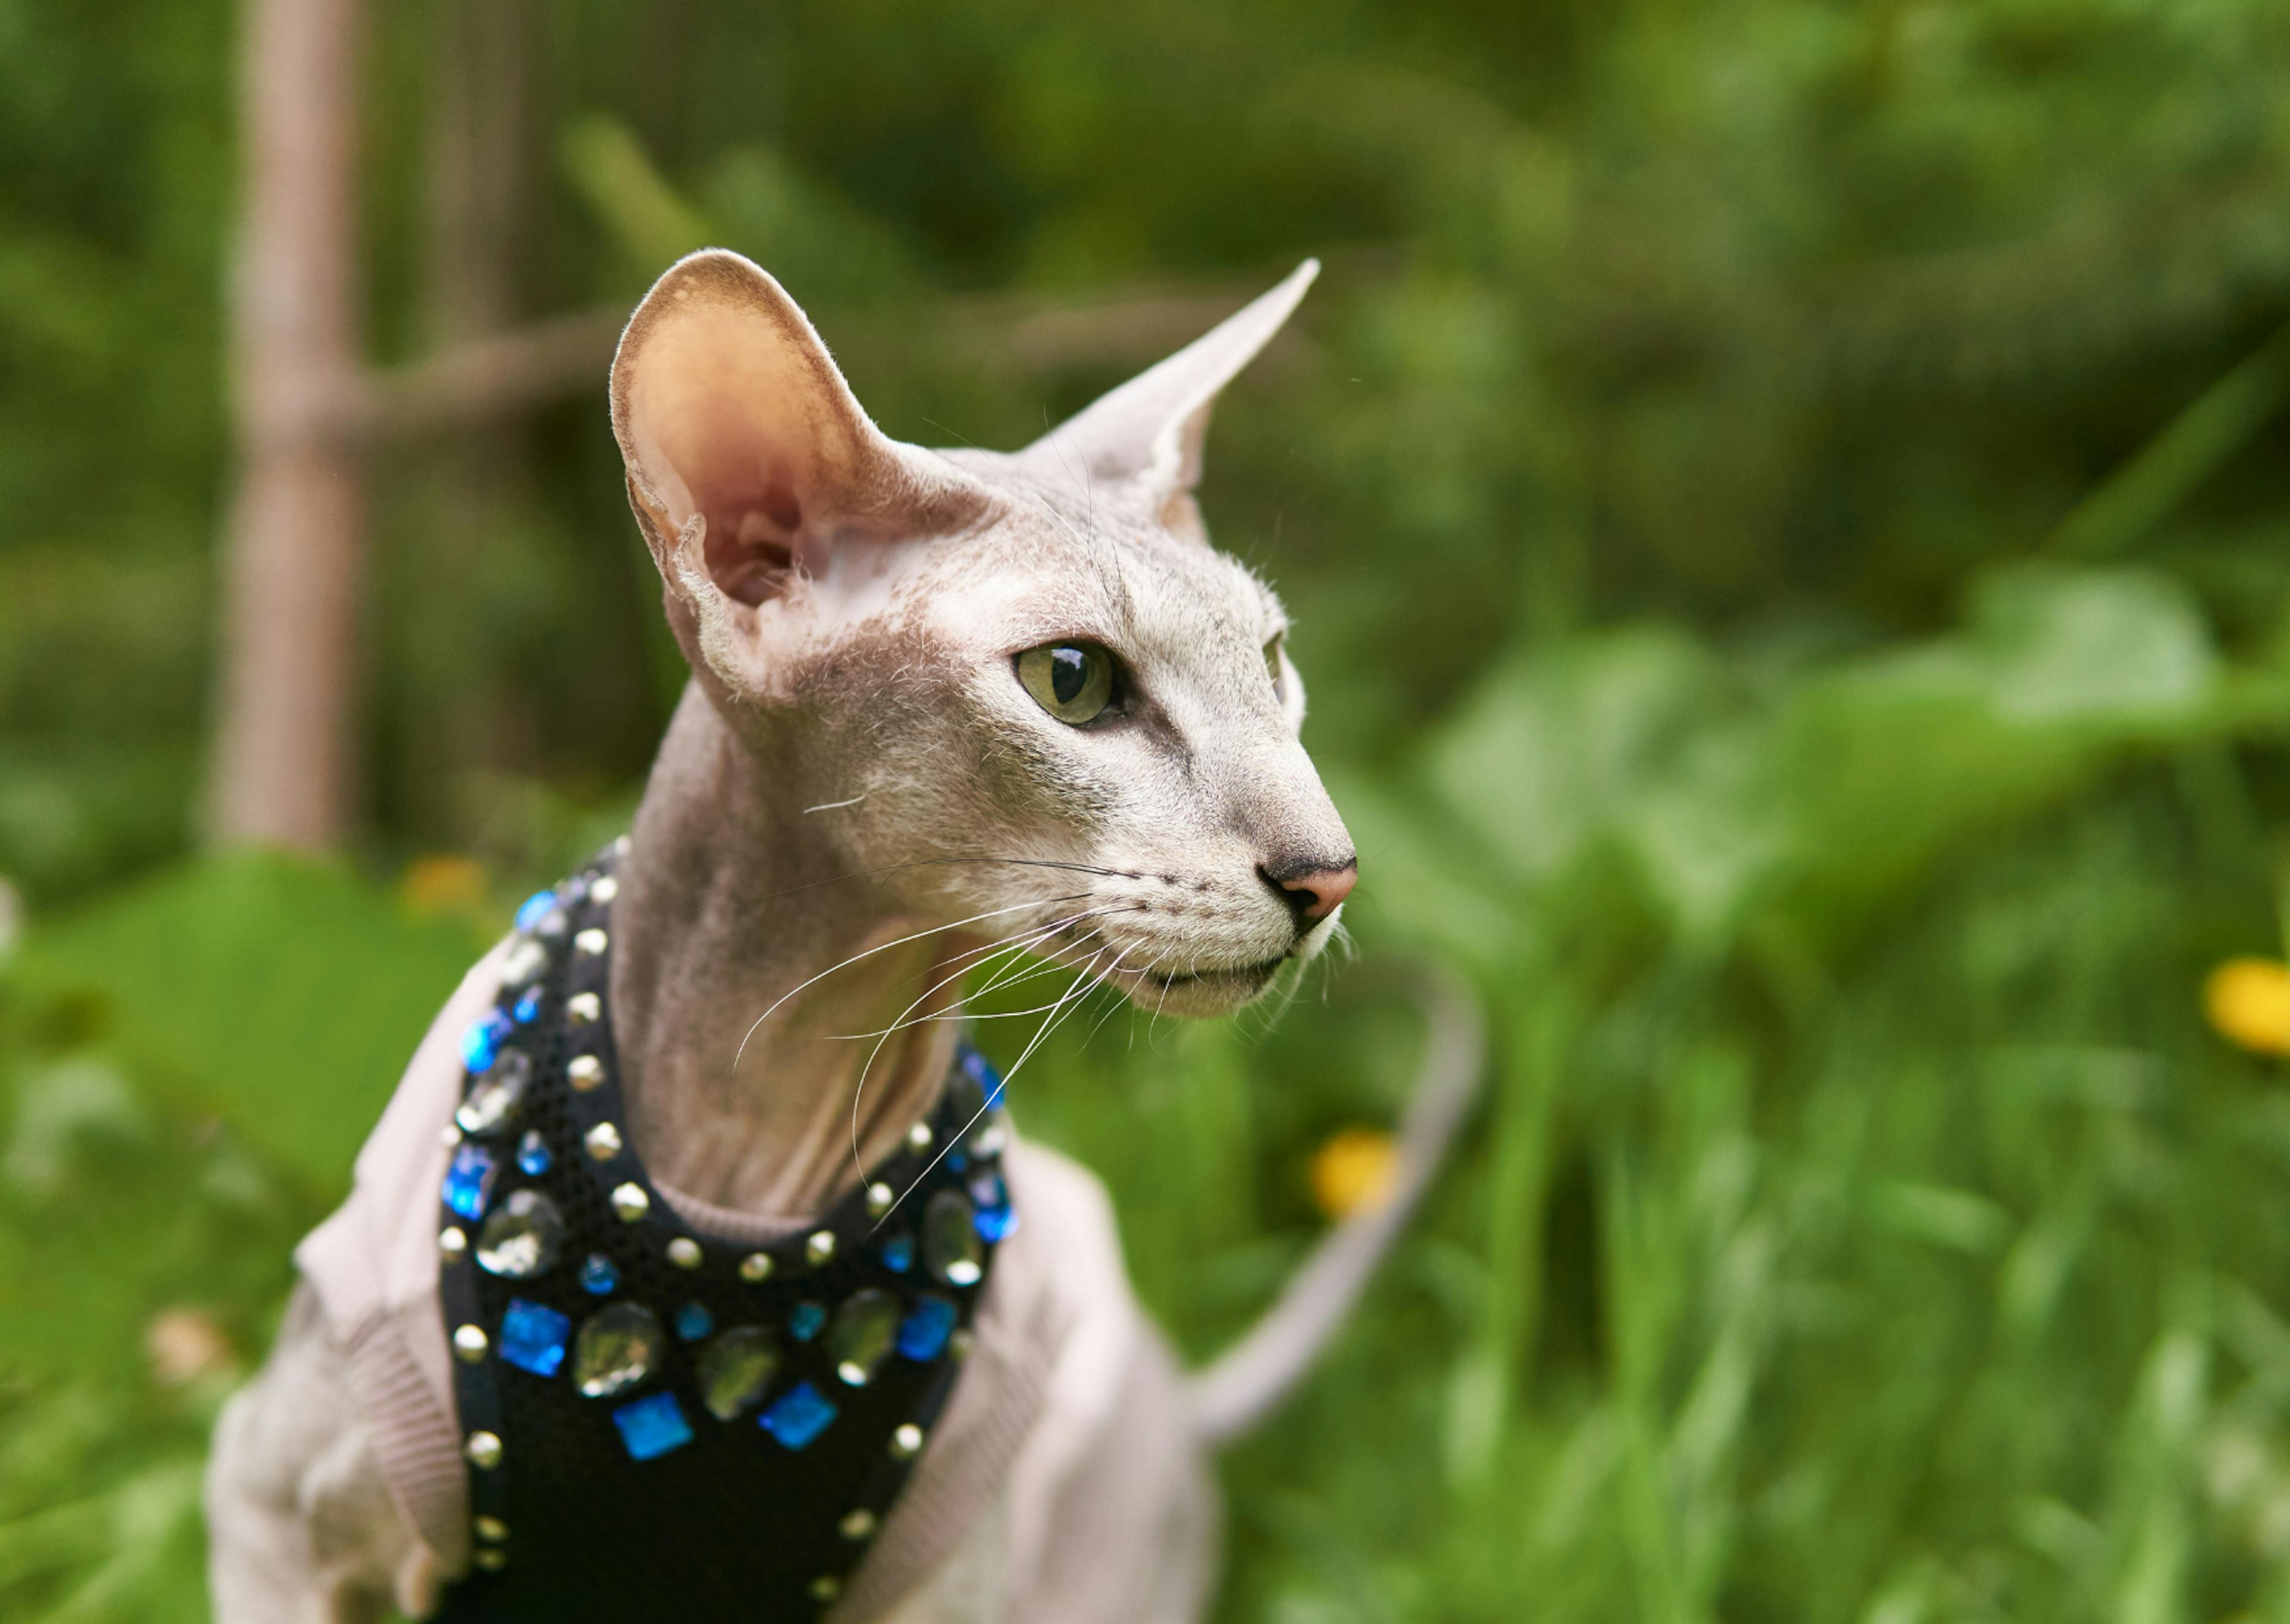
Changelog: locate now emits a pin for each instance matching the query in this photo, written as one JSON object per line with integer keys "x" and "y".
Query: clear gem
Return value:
{"x": 521, "y": 1239}
{"x": 453, "y": 1242}
{"x": 532, "y": 1336}
{"x": 492, "y": 1528}
{"x": 470, "y": 1181}
{"x": 652, "y": 1426}
{"x": 919, "y": 1137}
{"x": 907, "y": 1442}
{"x": 532, "y": 1154}
{"x": 575, "y": 891}
{"x": 471, "y": 1343}
{"x": 483, "y": 1039}
{"x": 484, "y": 1449}
{"x": 604, "y": 890}
{"x": 693, "y": 1322}
{"x": 449, "y": 1135}
{"x": 598, "y": 1277}
{"x": 899, "y": 1252}
{"x": 553, "y": 925}
{"x": 585, "y": 1072}
{"x": 584, "y": 1009}
{"x": 857, "y": 1524}
{"x": 590, "y": 941}
{"x": 685, "y": 1253}
{"x": 534, "y": 909}
{"x": 992, "y": 1137}
{"x": 951, "y": 1249}
{"x": 879, "y": 1199}
{"x": 527, "y": 959}
{"x": 923, "y": 1334}
{"x": 631, "y": 1202}
{"x": 618, "y": 1346}
{"x": 756, "y": 1265}
{"x": 735, "y": 1369}
{"x": 820, "y": 1247}
{"x": 495, "y": 1094}
{"x": 622, "y": 845}
{"x": 800, "y": 1415}
{"x": 805, "y": 1321}
{"x": 865, "y": 1326}
{"x": 602, "y": 1141}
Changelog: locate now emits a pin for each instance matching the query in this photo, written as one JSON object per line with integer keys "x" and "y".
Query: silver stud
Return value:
{"x": 622, "y": 846}
{"x": 453, "y": 1243}
{"x": 583, "y": 1009}
{"x": 684, "y": 1252}
{"x": 585, "y": 1072}
{"x": 858, "y": 1524}
{"x": 471, "y": 1342}
{"x": 826, "y": 1587}
{"x": 880, "y": 1198}
{"x": 491, "y": 1558}
{"x": 590, "y": 941}
{"x": 756, "y": 1265}
{"x": 907, "y": 1442}
{"x": 631, "y": 1202}
{"x": 919, "y": 1137}
{"x": 492, "y": 1528}
{"x": 991, "y": 1139}
{"x": 484, "y": 1449}
{"x": 450, "y": 1136}
{"x": 604, "y": 890}
{"x": 602, "y": 1141}
{"x": 524, "y": 962}
{"x": 820, "y": 1247}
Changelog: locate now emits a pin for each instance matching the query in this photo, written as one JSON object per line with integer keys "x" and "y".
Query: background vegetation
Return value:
{"x": 1782, "y": 506}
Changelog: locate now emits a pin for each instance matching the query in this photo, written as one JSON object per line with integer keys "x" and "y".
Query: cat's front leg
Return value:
{"x": 301, "y": 1526}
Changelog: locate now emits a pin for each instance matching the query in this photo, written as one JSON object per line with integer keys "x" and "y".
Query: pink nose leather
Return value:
{"x": 1327, "y": 888}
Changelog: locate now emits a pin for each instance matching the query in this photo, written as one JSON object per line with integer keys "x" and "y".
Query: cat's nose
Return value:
{"x": 1313, "y": 888}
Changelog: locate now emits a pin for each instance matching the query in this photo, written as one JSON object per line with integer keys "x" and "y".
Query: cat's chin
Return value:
{"x": 1202, "y": 993}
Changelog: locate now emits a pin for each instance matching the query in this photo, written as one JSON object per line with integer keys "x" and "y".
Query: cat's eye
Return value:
{"x": 1072, "y": 681}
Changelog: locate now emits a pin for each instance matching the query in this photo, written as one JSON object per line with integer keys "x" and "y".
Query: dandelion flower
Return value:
{"x": 2247, "y": 1001}
{"x": 1354, "y": 1169}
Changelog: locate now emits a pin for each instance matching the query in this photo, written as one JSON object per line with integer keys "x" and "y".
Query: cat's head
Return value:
{"x": 1021, "y": 689}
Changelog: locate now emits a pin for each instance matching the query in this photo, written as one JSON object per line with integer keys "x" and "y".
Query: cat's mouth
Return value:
{"x": 1240, "y": 978}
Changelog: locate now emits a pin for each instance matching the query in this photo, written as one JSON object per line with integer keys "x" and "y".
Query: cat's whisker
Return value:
{"x": 884, "y": 947}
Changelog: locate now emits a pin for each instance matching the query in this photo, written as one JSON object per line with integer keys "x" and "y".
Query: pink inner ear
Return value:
{"x": 754, "y": 536}
{"x": 739, "y": 474}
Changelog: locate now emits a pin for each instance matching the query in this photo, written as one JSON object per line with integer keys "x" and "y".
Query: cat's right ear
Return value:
{"x": 755, "y": 475}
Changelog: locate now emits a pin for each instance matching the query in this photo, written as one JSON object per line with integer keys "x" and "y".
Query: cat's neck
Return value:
{"x": 730, "y": 899}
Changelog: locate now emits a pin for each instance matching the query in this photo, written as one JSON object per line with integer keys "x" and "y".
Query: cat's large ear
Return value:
{"x": 754, "y": 472}
{"x": 1149, "y": 430}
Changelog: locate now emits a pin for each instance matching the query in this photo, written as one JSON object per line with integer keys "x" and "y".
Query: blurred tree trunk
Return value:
{"x": 283, "y": 765}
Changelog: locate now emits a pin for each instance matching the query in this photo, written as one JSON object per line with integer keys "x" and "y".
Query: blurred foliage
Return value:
{"x": 1780, "y": 503}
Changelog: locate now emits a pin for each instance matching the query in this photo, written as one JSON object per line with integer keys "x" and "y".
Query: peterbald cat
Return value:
{"x": 938, "y": 700}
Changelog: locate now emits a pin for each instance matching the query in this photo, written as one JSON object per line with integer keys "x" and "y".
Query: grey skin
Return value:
{"x": 856, "y": 797}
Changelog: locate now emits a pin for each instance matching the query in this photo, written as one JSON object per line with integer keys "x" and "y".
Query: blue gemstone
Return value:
{"x": 532, "y": 1336}
{"x": 801, "y": 1414}
{"x": 956, "y": 1161}
{"x": 481, "y": 1043}
{"x": 923, "y": 1333}
{"x": 982, "y": 1073}
{"x": 470, "y": 1181}
{"x": 532, "y": 1154}
{"x": 806, "y": 1321}
{"x": 995, "y": 1223}
{"x": 534, "y": 909}
{"x": 528, "y": 1008}
{"x": 652, "y": 1426}
{"x": 598, "y": 1278}
{"x": 693, "y": 1322}
{"x": 899, "y": 1254}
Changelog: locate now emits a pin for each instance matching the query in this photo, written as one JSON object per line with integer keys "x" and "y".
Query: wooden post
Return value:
{"x": 283, "y": 771}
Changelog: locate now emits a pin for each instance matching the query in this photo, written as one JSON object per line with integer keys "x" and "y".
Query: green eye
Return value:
{"x": 1072, "y": 681}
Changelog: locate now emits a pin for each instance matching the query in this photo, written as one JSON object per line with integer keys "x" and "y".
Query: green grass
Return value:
{"x": 1860, "y": 1226}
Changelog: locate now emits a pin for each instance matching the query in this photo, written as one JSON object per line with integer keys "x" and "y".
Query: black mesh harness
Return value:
{"x": 658, "y": 1423}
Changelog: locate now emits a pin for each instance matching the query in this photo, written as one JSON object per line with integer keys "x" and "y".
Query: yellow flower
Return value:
{"x": 2248, "y": 1002}
{"x": 442, "y": 884}
{"x": 1354, "y": 1169}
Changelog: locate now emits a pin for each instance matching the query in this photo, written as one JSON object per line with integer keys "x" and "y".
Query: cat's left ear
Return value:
{"x": 1149, "y": 430}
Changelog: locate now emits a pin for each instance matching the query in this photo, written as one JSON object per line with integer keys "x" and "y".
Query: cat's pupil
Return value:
{"x": 1068, "y": 671}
